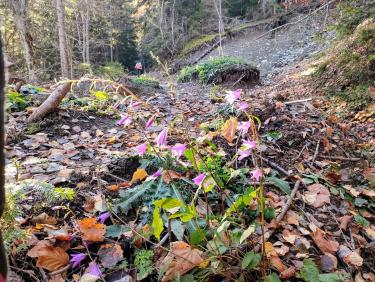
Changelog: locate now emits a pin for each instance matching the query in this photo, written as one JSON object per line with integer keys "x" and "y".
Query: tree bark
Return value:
{"x": 20, "y": 16}
{"x": 62, "y": 38}
{"x": 52, "y": 102}
{"x": 3, "y": 256}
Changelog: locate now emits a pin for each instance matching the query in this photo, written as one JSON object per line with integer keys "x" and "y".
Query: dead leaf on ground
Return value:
{"x": 110, "y": 254}
{"x": 49, "y": 257}
{"x": 117, "y": 187}
{"x": 350, "y": 257}
{"x": 60, "y": 234}
{"x": 139, "y": 174}
{"x": 288, "y": 273}
{"x": 289, "y": 236}
{"x": 91, "y": 230}
{"x": 327, "y": 263}
{"x": 326, "y": 246}
{"x": 95, "y": 203}
{"x": 292, "y": 218}
{"x": 170, "y": 175}
{"x": 181, "y": 259}
{"x": 229, "y": 129}
{"x": 276, "y": 262}
{"x": 369, "y": 173}
{"x": 44, "y": 218}
{"x": 317, "y": 195}
{"x": 344, "y": 221}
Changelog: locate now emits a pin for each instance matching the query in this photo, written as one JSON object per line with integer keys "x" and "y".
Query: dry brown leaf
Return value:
{"x": 327, "y": 263}
{"x": 276, "y": 262}
{"x": 110, "y": 254}
{"x": 344, "y": 221}
{"x": 49, "y": 257}
{"x": 91, "y": 230}
{"x": 57, "y": 278}
{"x": 60, "y": 234}
{"x": 292, "y": 218}
{"x": 229, "y": 129}
{"x": 139, "y": 174}
{"x": 317, "y": 195}
{"x": 350, "y": 257}
{"x": 369, "y": 173}
{"x": 44, "y": 218}
{"x": 288, "y": 273}
{"x": 288, "y": 236}
{"x": 117, "y": 187}
{"x": 170, "y": 175}
{"x": 180, "y": 259}
{"x": 326, "y": 246}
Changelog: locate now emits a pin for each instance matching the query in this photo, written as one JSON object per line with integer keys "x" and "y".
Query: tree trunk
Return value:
{"x": 52, "y": 102}
{"x": 62, "y": 38}
{"x": 20, "y": 16}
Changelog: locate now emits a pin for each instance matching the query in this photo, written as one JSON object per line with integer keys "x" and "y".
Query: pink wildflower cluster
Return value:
{"x": 234, "y": 97}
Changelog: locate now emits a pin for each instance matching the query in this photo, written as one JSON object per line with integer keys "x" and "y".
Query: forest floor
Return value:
{"x": 304, "y": 136}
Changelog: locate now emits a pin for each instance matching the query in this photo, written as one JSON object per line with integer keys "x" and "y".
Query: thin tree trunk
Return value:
{"x": 172, "y": 25}
{"x": 20, "y": 16}
{"x": 218, "y": 9}
{"x": 62, "y": 38}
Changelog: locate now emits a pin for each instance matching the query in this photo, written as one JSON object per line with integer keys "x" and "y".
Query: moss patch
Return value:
{"x": 218, "y": 70}
{"x": 145, "y": 80}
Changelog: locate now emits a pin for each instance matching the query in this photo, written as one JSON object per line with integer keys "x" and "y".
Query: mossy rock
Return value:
{"x": 221, "y": 70}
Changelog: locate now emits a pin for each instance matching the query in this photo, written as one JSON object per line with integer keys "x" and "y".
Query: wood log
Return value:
{"x": 52, "y": 102}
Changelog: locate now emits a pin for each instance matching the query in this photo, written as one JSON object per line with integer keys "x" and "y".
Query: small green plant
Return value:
{"x": 16, "y": 101}
{"x": 144, "y": 263}
{"x": 62, "y": 194}
{"x": 361, "y": 221}
{"x": 205, "y": 72}
{"x": 145, "y": 80}
{"x": 197, "y": 43}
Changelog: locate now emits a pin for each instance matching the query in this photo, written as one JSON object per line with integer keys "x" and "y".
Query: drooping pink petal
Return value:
{"x": 243, "y": 106}
{"x": 103, "y": 217}
{"x": 122, "y": 121}
{"x": 233, "y": 96}
{"x": 249, "y": 144}
{"x": 256, "y": 174}
{"x": 243, "y": 154}
{"x": 141, "y": 149}
{"x": 150, "y": 122}
{"x": 134, "y": 105}
{"x": 198, "y": 180}
{"x": 244, "y": 126}
{"x": 94, "y": 269}
{"x": 157, "y": 173}
{"x": 178, "y": 150}
{"x": 161, "y": 139}
{"x": 76, "y": 259}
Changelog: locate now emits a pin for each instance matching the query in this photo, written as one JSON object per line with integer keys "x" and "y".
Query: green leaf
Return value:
{"x": 273, "y": 277}
{"x": 269, "y": 213}
{"x": 115, "y": 231}
{"x": 157, "y": 223}
{"x": 359, "y": 202}
{"x": 247, "y": 233}
{"x": 168, "y": 203}
{"x": 309, "y": 271}
{"x": 178, "y": 229}
{"x": 329, "y": 277}
{"x": 242, "y": 201}
{"x": 361, "y": 221}
{"x": 251, "y": 260}
{"x": 280, "y": 183}
{"x": 197, "y": 236}
{"x": 189, "y": 154}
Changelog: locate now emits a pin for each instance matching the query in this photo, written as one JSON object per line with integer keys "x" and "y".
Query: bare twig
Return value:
{"x": 337, "y": 158}
{"x": 297, "y": 101}
{"x": 289, "y": 202}
{"x": 316, "y": 151}
{"x": 28, "y": 272}
{"x": 276, "y": 166}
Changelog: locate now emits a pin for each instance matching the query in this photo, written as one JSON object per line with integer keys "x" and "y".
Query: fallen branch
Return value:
{"x": 276, "y": 166}
{"x": 316, "y": 151}
{"x": 281, "y": 215}
{"x": 298, "y": 101}
{"x": 337, "y": 158}
{"x": 51, "y": 103}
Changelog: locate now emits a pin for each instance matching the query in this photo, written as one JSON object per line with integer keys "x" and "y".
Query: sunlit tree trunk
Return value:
{"x": 219, "y": 11}
{"x": 19, "y": 12}
{"x": 62, "y": 38}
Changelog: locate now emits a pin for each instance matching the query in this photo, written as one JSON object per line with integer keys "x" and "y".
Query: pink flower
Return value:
{"x": 77, "y": 259}
{"x": 103, "y": 217}
{"x": 161, "y": 139}
{"x": 249, "y": 144}
{"x": 198, "y": 180}
{"x": 157, "y": 173}
{"x": 243, "y": 106}
{"x": 243, "y": 154}
{"x": 124, "y": 121}
{"x": 244, "y": 127}
{"x": 94, "y": 269}
{"x": 134, "y": 105}
{"x": 150, "y": 122}
{"x": 178, "y": 150}
{"x": 256, "y": 174}
{"x": 138, "y": 66}
{"x": 141, "y": 149}
{"x": 232, "y": 96}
